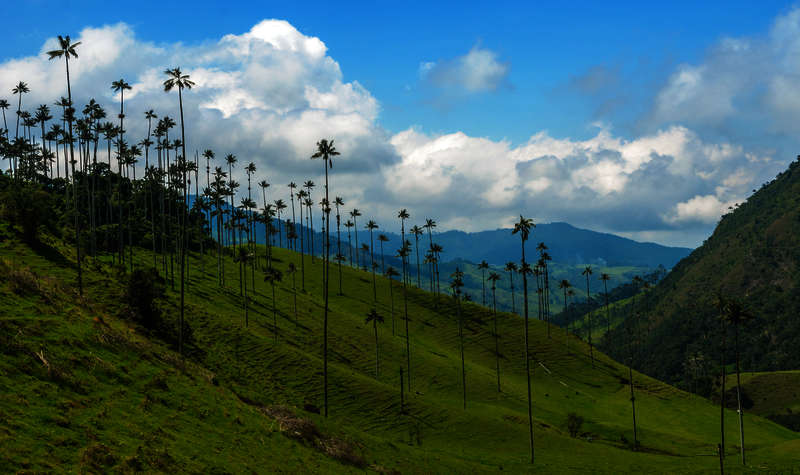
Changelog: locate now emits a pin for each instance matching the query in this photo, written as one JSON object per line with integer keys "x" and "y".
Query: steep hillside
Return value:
{"x": 88, "y": 387}
{"x": 774, "y": 395}
{"x": 752, "y": 256}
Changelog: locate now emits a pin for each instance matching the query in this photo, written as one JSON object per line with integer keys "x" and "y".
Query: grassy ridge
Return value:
{"x": 136, "y": 398}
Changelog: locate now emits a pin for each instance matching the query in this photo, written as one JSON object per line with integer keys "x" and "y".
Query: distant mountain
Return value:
{"x": 753, "y": 256}
{"x": 568, "y": 245}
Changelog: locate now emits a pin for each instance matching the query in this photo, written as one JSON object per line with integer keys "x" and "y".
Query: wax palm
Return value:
{"x": 605, "y": 278}
{"x": 339, "y": 256}
{"x": 355, "y": 214}
{"x": 456, "y": 284}
{"x": 523, "y": 228}
{"x": 20, "y": 89}
{"x": 66, "y": 50}
{"x": 587, "y": 272}
{"x": 243, "y": 256}
{"x": 3, "y": 106}
{"x": 375, "y": 318}
{"x": 402, "y": 253}
{"x": 417, "y": 232}
{"x": 273, "y": 275}
{"x": 382, "y": 238}
{"x": 736, "y": 314}
{"x": 326, "y": 151}
{"x": 483, "y": 266}
{"x": 493, "y": 278}
{"x": 390, "y": 274}
{"x": 371, "y": 226}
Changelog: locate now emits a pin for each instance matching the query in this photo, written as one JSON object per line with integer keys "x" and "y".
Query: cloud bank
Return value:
{"x": 267, "y": 95}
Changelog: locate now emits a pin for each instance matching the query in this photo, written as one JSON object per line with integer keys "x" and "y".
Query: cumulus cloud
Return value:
{"x": 268, "y": 94}
{"x": 477, "y": 71}
{"x": 740, "y": 83}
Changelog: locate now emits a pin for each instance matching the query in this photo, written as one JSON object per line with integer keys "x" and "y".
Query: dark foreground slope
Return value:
{"x": 752, "y": 256}
{"x": 85, "y": 387}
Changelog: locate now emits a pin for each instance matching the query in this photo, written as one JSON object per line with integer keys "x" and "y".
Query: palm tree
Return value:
{"x": 22, "y": 88}
{"x": 402, "y": 253}
{"x": 292, "y": 186}
{"x": 372, "y": 225}
{"x": 403, "y": 216}
{"x": 175, "y": 78}
{"x": 67, "y": 50}
{"x": 243, "y": 255}
{"x": 280, "y": 205}
{"x": 382, "y": 238}
{"x": 375, "y": 318}
{"x": 292, "y": 269}
{"x": 3, "y": 106}
{"x": 390, "y": 274}
{"x": 417, "y": 232}
{"x": 565, "y": 286}
{"x": 309, "y": 202}
{"x": 339, "y": 256}
{"x": 264, "y": 185}
{"x": 273, "y": 275}
{"x": 523, "y": 227}
{"x": 493, "y": 278}
{"x": 737, "y": 315}
{"x": 355, "y": 214}
{"x": 511, "y": 267}
{"x": 456, "y": 284}
{"x": 300, "y": 196}
{"x": 587, "y": 272}
{"x": 483, "y": 266}
{"x": 429, "y": 225}
{"x": 605, "y": 278}
{"x": 349, "y": 224}
{"x": 326, "y": 151}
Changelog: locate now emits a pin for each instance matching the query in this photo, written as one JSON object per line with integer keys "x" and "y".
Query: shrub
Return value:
{"x": 145, "y": 286}
{"x": 574, "y": 423}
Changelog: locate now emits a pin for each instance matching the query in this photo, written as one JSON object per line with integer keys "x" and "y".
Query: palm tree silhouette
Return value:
{"x": 375, "y": 319}
{"x": 403, "y": 216}
{"x": 309, "y": 202}
{"x": 511, "y": 267}
{"x": 737, "y": 315}
{"x": 390, "y": 273}
{"x": 372, "y": 225}
{"x": 417, "y": 232}
{"x": 349, "y": 224}
{"x": 355, "y": 214}
{"x": 176, "y": 79}
{"x": 382, "y": 238}
{"x": 493, "y": 278}
{"x": 273, "y": 275}
{"x": 523, "y": 228}
{"x": 587, "y": 272}
{"x": 456, "y": 284}
{"x": 402, "y": 253}
{"x": 67, "y": 50}
{"x": 326, "y": 151}
{"x": 605, "y": 278}
{"x": 483, "y": 266}
{"x": 292, "y": 186}
{"x": 3, "y": 106}
{"x": 292, "y": 269}
{"x": 243, "y": 256}
{"x": 339, "y": 256}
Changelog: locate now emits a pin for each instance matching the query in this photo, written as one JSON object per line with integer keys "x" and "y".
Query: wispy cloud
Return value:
{"x": 479, "y": 70}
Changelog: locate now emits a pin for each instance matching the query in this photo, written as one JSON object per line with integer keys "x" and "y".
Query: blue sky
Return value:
{"x": 381, "y": 45}
{"x": 586, "y": 103}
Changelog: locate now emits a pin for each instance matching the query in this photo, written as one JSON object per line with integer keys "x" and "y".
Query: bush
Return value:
{"x": 145, "y": 286}
{"x": 27, "y": 206}
{"x": 574, "y": 423}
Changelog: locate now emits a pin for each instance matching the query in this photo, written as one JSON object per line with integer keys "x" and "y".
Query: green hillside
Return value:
{"x": 752, "y": 257}
{"x": 87, "y": 388}
{"x": 774, "y": 395}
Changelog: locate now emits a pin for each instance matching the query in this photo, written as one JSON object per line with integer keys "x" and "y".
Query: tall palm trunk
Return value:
{"x": 405, "y": 315}
{"x": 739, "y": 393}
{"x": 302, "y": 256}
{"x": 183, "y": 224}
{"x": 496, "y": 335}
{"x": 527, "y": 357}
{"x": 326, "y": 280}
{"x": 74, "y": 183}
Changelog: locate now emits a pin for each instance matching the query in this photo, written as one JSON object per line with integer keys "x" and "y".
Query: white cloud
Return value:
{"x": 267, "y": 95}
{"x": 477, "y": 71}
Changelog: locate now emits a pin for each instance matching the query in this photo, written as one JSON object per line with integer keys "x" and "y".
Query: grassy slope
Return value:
{"x": 128, "y": 393}
{"x": 775, "y": 395}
